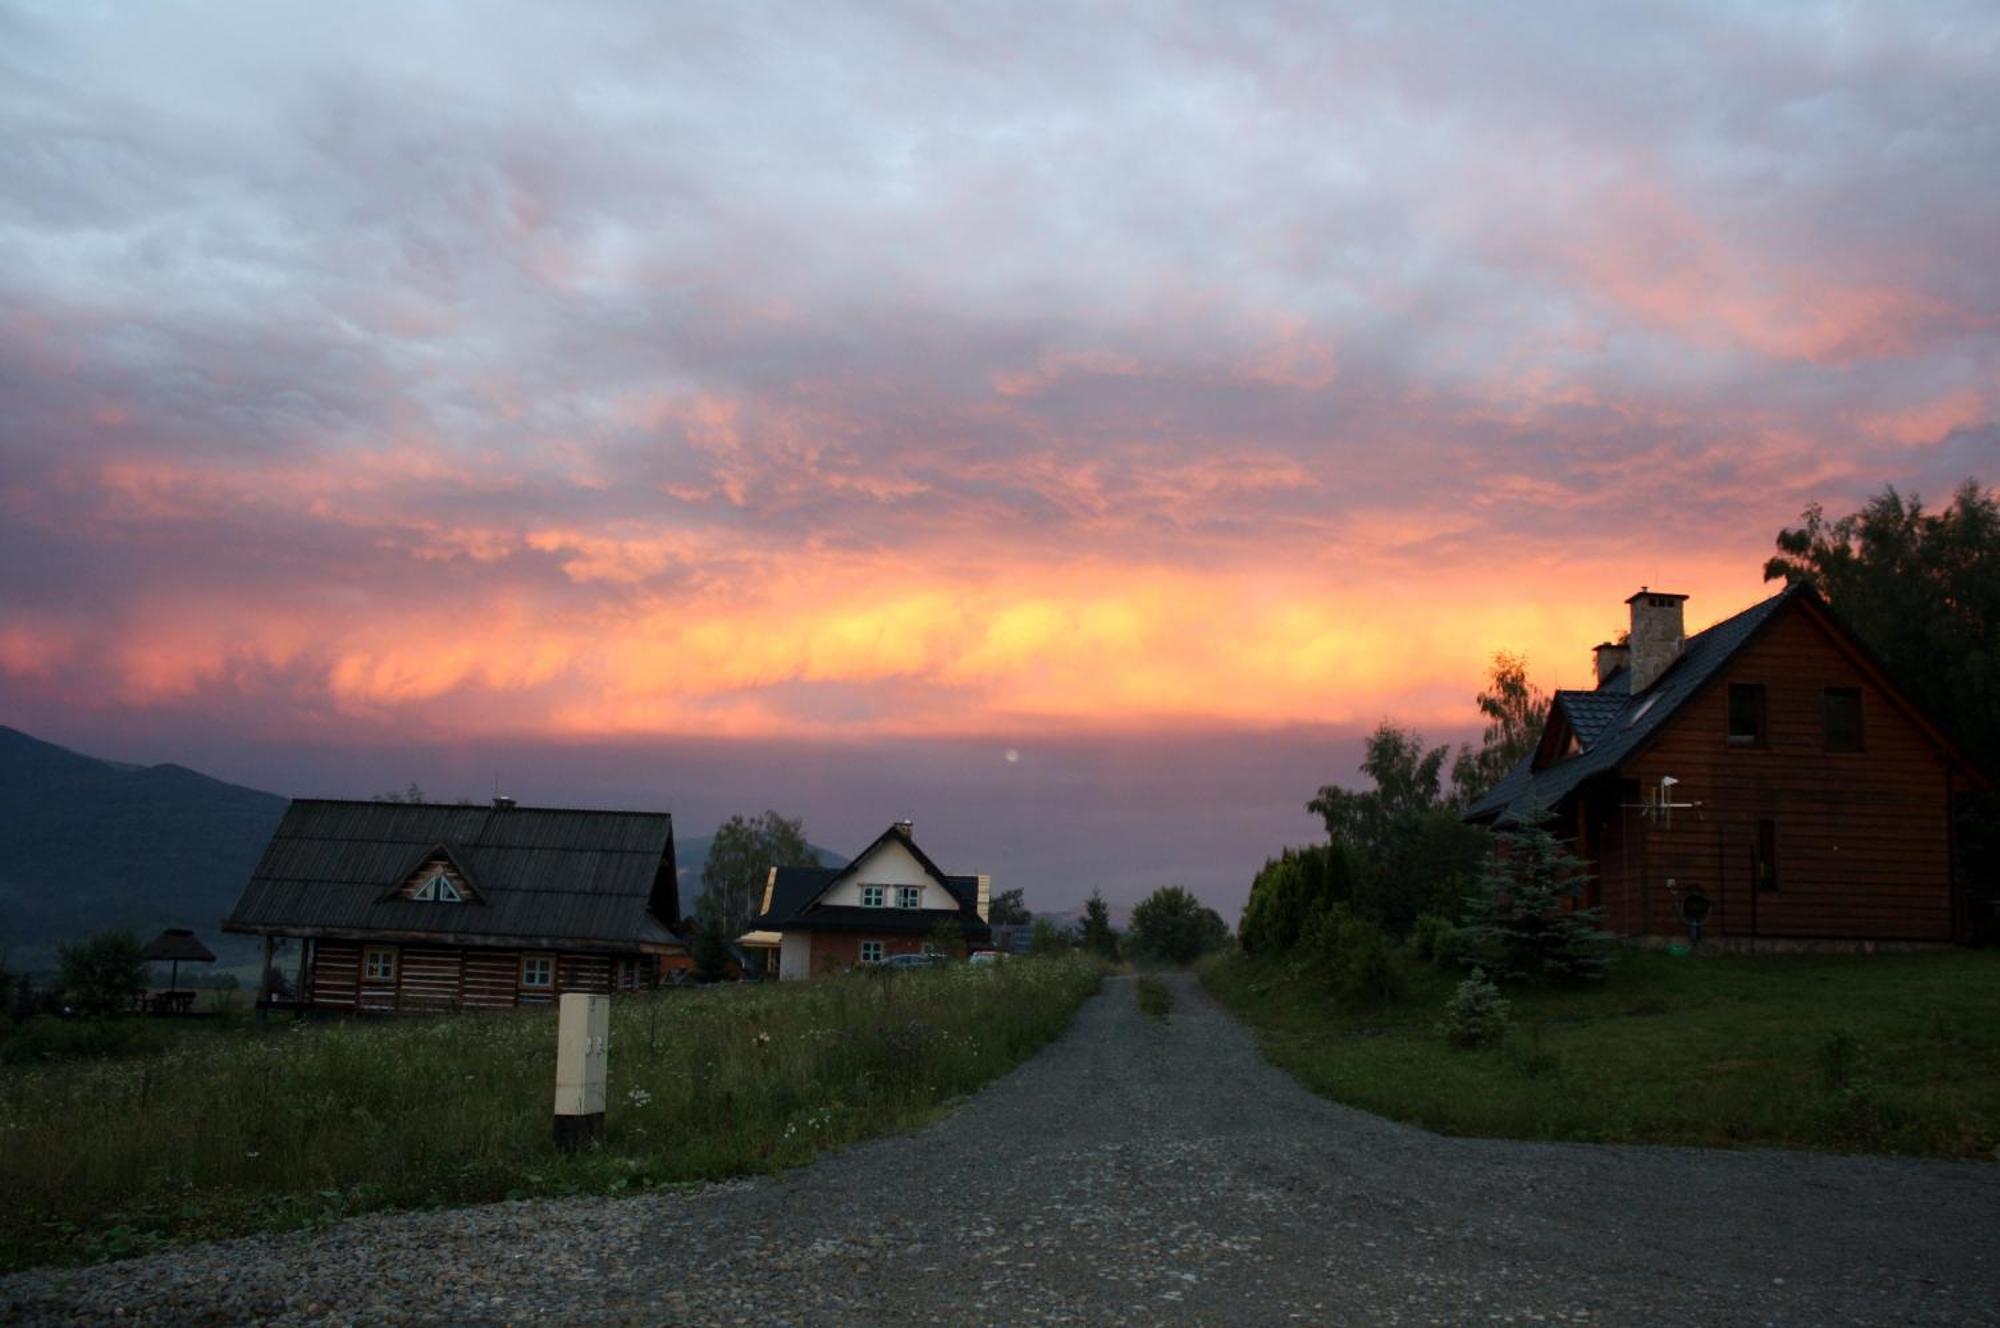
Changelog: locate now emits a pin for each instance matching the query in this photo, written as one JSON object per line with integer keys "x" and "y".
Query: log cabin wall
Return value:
{"x": 336, "y": 971}
{"x": 1862, "y": 839}
{"x": 439, "y": 978}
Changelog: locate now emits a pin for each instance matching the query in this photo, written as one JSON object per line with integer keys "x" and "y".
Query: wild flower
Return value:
{"x": 638, "y": 1097}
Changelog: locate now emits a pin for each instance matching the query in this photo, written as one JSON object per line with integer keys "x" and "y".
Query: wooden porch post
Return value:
{"x": 264, "y": 983}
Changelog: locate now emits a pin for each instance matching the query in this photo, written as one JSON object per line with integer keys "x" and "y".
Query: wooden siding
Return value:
{"x": 436, "y": 978}
{"x": 336, "y": 971}
{"x": 492, "y": 978}
{"x": 1863, "y": 837}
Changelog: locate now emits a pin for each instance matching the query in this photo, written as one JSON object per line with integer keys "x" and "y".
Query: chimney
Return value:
{"x": 1611, "y": 657}
{"x": 502, "y": 802}
{"x": 1657, "y": 635}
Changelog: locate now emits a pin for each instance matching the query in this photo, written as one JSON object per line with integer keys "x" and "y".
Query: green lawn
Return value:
{"x": 1862, "y": 1053}
{"x": 198, "y": 1132}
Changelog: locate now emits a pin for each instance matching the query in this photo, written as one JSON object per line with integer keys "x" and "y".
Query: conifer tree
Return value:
{"x": 1526, "y": 917}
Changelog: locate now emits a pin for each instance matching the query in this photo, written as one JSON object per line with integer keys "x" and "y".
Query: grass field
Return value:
{"x": 1154, "y": 998}
{"x": 293, "y": 1125}
{"x": 1862, "y": 1053}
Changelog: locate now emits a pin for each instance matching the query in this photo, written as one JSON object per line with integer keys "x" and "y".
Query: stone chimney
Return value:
{"x": 1657, "y": 635}
{"x": 1611, "y": 657}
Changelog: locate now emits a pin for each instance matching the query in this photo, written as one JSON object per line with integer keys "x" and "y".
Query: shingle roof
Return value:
{"x": 1613, "y": 725}
{"x": 544, "y": 875}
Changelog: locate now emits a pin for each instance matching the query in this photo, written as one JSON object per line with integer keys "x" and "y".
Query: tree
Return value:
{"x": 1514, "y": 709}
{"x": 1922, "y": 589}
{"x": 412, "y": 794}
{"x": 1412, "y": 854}
{"x": 1098, "y": 937}
{"x": 1009, "y": 909}
{"x": 711, "y": 953}
{"x": 1526, "y": 918}
{"x": 1173, "y": 925}
{"x": 102, "y": 975}
{"x": 946, "y": 938}
{"x": 739, "y": 859}
{"x": 1291, "y": 888}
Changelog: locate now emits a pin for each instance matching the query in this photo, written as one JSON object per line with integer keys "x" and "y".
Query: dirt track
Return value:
{"x": 1136, "y": 1172}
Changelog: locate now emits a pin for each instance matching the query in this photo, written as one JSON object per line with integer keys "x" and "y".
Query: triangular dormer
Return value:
{"x": 439, "y": 877}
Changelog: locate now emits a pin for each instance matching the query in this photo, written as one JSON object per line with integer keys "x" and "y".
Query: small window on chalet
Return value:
{"x": 871, "y": 952}
{"x": 909, "y": 896}
{"x": 1746, "y": 714}
{"x": 438, "y": 889}
{"x": 538, "y": 971}
{"x": 874, "y": 896}
{"x": 1843, "y": 719}
{"x": 379, "y": 965}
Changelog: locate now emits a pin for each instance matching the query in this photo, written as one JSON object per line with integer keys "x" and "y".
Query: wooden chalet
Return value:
{"x": 890, "y": 900}
{"x": 428, "y": 906}
{"x": 1766, "y": 773}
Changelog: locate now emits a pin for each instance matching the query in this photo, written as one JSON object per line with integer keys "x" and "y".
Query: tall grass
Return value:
{"x": 295, "y": 1125}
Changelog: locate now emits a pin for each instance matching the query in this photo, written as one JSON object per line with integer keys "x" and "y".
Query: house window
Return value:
{"x": 380, "y": 966}
{"x": 1746, "y": 714}
{"x": 439, "y": 889}
{"x": 871, "y": 952}
{"x": 538, "y": 972}
{"x": 874, "y": 896}
{"x": 909, "y": 896}
{"x": 1766, "y": 863}
{"x": 1843, "y": 719}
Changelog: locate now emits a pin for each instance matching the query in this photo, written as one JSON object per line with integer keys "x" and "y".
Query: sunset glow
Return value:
{"x": 681, "y": 374}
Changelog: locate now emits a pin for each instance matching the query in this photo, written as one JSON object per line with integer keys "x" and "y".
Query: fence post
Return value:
{"x": 583, "y": 1034}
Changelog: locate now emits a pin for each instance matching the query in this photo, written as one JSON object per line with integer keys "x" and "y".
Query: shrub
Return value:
{"x": 1289, "y": 890}
{"x": 1352, "y": 955}
{"x": 1154, "y": 998}
{"x": 1476, "y": 1016}
{"x": 1048, "y": 939}
{"x": 103, "y": 974}
{"x": 1424, "y": 937}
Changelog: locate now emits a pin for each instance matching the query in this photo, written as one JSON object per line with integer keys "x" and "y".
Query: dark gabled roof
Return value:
{"x": 545, "y": 876}
{"x": 1613, "y": 726}
{"x": 793, "y": 890}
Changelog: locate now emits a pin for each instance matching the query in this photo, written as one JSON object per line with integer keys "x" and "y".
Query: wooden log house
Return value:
{"x": 429, "y": 906}
{"x": 1768, "y": 766}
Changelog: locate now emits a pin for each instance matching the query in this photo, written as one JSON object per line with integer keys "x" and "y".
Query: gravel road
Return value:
{"x": 1139, "y": 1173}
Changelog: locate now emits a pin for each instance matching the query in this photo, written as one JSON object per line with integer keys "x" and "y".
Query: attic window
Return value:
{"x": 874, "y": 896}
{"x": 439, "y": 890}
{"x": 909, "y": 896}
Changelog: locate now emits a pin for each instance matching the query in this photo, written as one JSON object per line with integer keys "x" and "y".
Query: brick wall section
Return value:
{"x": 836, "y": 952}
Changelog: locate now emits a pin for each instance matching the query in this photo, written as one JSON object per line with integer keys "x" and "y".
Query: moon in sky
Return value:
{"x": 1012, "y": 756}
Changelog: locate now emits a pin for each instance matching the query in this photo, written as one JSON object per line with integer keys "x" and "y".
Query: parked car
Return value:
{"x": 984, "y": 957}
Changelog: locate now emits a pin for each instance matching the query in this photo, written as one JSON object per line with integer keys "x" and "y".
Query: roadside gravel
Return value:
{"x": 1138, "y": 1172}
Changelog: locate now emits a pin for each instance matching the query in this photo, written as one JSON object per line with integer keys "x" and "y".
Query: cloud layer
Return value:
{"x": 630, "y": 370}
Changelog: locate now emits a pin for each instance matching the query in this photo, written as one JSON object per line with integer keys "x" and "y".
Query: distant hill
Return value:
{"x": 87, "y": 844}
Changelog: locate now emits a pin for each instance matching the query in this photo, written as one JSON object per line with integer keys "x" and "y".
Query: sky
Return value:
{"x": 1072, "y": 426}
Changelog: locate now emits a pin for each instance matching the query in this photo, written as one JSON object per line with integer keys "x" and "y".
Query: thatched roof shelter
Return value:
{"x": 178, "y": 945}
